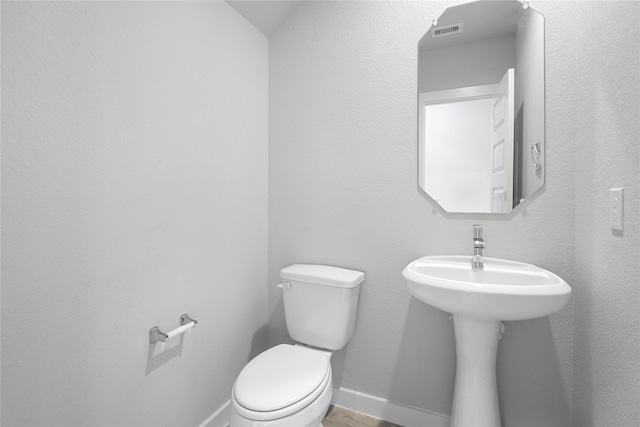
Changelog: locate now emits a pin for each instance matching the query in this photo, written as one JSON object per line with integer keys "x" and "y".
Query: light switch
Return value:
{"x": 616, "y": 205}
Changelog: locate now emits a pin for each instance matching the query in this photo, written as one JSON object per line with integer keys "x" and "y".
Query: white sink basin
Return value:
{"x": 502, "y": 290}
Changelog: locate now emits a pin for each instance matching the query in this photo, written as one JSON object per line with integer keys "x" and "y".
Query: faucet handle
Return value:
{"x": 477, "y": 231}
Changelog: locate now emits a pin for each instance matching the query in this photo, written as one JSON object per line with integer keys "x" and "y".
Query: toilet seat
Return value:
{"x": 281, "y": 381}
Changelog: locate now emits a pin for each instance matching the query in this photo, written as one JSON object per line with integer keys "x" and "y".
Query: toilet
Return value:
{"x": 291, "y": 385}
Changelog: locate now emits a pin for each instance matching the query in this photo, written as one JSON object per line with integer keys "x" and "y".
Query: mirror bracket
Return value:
{"x": 535, "y": 156}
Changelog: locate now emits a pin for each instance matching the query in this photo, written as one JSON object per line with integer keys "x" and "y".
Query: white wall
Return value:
{"x": 343, "y": 191}
{"x": 134, "y": 189}
{"x": 607, "y": 301}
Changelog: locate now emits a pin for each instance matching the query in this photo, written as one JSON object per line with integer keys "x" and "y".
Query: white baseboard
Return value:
{"x": 383, "y": 409}
{"x": 373, "y": 406}
{"x": 220, "y": 418}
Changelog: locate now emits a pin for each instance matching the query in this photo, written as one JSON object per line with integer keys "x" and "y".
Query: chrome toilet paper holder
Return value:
{"x": 186, "y": 323}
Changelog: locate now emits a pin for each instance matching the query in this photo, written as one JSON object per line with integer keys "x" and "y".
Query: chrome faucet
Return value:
{"x": 478, "y": 246}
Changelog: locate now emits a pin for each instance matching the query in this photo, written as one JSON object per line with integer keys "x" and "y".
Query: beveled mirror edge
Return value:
{"x": 530, "y": 196}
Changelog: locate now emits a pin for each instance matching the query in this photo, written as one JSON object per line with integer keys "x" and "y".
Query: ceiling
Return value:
{"x": 265, "y": 15}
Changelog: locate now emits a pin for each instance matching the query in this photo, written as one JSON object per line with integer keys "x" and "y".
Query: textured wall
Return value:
{"x": 343, "y": 191}
{"x": 607, "y": 300}
{"x": 132, "y": 191}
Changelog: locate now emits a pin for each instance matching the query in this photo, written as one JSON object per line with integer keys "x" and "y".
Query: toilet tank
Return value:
{"x": 320, "y": 304}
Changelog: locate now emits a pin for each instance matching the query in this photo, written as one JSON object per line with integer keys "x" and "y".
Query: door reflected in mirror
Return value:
{"x": 481, "y": 107}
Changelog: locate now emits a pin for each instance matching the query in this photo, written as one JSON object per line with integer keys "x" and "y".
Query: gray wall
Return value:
{"x": 607, "y": 300}
{"x": 343, "y": 191}
{"x": 132, "y": 191}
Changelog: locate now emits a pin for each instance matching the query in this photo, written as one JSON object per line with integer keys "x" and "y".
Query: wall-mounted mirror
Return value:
{"x": 481, "y": 106}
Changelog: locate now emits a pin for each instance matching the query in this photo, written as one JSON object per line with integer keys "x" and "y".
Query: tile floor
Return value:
{"x": 341, "y": 417}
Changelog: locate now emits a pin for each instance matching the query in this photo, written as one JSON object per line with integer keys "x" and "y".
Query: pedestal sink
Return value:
{"x": 479, "y": 300}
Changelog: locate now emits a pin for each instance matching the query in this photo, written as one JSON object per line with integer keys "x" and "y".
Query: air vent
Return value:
{"x": 446, "y": 31}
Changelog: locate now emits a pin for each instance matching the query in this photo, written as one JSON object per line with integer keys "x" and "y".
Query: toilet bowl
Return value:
{"x": 287, "y": 385}
{"x": 291, "y": 385}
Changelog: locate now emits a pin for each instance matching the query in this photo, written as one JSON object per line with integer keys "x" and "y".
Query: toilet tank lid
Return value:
{"x": 322, "y": 275}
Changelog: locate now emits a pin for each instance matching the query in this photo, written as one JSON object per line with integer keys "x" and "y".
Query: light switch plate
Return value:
{"x": 616, "y": 208}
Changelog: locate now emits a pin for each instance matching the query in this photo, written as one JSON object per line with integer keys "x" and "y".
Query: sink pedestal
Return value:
{"x": 475, "y": 395}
